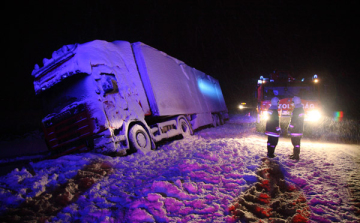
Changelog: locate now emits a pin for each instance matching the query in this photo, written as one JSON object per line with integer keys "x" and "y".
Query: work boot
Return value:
{"x": 292, "y": 153}
{"x": 271, "y": 151}
{"x": 295, "y": 155}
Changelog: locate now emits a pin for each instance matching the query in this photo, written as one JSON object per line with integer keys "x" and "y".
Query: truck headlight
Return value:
{"x": 313, "y": 116}
{"x": 242, "y": 105}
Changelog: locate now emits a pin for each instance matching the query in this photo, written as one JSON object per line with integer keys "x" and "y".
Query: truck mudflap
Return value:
{"x": 70, "y": 129}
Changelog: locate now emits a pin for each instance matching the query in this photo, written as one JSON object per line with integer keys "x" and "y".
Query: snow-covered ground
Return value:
{"x": 217, "y": 175}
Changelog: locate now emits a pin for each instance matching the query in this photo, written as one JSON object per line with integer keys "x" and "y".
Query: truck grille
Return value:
{"x": 68, "y": 128}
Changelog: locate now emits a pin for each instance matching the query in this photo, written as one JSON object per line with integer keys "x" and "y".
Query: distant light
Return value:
{"x": 242, "y": 105}
{"x": 259, "y": 81}
{"x": 261, "y": 77}
{"x": 315, "y": 78}
{"x": 303, "y": 79}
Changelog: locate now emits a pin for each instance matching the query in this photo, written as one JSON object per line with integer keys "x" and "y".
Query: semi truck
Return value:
{"x": 120, "y": 97}
{"x": 282, "y": 85}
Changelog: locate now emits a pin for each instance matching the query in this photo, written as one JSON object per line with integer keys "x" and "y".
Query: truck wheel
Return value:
{"x": 221, "y": 120}
{"x": 139, "y": 139}
{"x": 216, "y": 120}
{"x": 185, "y": 128}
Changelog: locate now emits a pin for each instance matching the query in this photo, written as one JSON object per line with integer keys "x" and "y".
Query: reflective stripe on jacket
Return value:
{"x": 273, "y": 134}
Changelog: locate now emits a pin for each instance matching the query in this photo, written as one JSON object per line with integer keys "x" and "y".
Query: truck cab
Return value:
{"x": 90, "y": 96}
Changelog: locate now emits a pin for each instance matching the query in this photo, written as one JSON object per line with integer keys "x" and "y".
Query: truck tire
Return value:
{"x": 216, "y": 120}
{"x": 139, "y": 139}
{"x": 222, "y": 121}
{"x": 185, "y": 128}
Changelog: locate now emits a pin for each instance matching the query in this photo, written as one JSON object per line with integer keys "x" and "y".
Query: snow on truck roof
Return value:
{"x": 102, "y": 51}
{"x": 80, "y": 58}
{"x": 97, "y": 51}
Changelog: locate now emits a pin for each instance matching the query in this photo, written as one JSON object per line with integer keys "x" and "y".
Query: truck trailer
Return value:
{"x": 120, "y": 97}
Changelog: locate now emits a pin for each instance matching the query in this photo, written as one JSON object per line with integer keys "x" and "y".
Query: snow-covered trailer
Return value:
{"x": 116, "y": 96}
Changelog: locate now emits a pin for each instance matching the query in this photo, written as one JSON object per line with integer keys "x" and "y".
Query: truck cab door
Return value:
{"x": 115, "y": 106}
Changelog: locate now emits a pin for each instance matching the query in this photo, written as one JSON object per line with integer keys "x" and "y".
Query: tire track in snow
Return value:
{"x": 41, "y": 208}
{"x": 272, "y": 198}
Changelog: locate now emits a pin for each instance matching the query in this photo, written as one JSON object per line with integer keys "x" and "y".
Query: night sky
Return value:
{"x": 233, "y": 41}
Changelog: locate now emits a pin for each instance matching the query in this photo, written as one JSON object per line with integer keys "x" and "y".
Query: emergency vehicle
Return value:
{"x": 282, "y": 85}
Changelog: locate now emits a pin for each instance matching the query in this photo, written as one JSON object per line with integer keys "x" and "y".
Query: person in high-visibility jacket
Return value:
{"x": 272, "y": 129}
{"x": 296, "y": 127}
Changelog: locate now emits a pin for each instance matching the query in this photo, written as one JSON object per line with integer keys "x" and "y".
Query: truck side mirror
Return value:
{"x": 109, "y": 84}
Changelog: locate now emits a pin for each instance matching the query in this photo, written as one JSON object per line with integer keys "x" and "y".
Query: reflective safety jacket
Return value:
{"x": 296, "y": 126}
{"x": 272, "y": 124}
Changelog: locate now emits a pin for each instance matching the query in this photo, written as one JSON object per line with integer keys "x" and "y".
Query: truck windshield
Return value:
{"x": 307, "y": 92}
{"x": 70, "y": 90}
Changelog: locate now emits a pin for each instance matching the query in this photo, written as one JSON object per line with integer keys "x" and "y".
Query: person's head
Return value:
{"x": 296, "y": 100}
{"x": 275, "y": 101}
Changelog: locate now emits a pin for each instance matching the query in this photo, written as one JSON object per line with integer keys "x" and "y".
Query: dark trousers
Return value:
{"x": 296, "y": 141}
{"x": 272, "y": 141}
